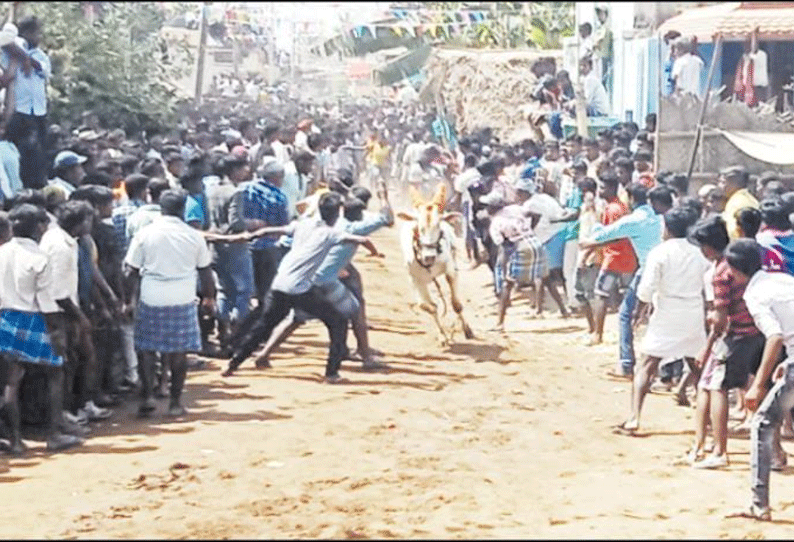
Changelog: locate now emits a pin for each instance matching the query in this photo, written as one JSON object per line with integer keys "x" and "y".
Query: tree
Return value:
{"x": 512, "y": 24}
{"x": 111, "y": 60}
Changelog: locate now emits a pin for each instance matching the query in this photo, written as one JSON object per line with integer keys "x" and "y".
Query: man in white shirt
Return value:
{"x": 544, "y": 210}
{"x": 760, "y": 70}
{"x": 595, "y": 95}
{"x": 26, "y": 281}
{"x": 296, "y": 176}
{"x": 166, "y": 258}
{"x": 770, "y": 300}
{"x": 294, "y": 287}
{"x": 468, "y": 176}
{"x": 585, "y": 41}
{"x": 66, "y": 322}
{"x": 145, "y": 215}
{"x": 687, "y": 68}
{"x": 672, "y": 282}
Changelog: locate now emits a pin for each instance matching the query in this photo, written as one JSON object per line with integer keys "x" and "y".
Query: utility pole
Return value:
{"x": 16, "y": 8}
{"x": 201, "y": 51}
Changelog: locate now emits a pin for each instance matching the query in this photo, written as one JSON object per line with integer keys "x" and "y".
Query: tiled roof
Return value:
{"x": 734, "y": 21}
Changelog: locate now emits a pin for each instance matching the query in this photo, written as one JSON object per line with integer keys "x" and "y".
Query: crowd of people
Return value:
{"x": 122, "y": 254}
{"x": 706, "y": 276}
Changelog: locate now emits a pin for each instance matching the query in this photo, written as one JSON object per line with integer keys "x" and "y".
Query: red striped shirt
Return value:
{"x": 728, "y": 294}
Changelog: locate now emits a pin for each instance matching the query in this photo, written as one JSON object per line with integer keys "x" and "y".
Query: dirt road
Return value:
{"x": 490, "y": 438}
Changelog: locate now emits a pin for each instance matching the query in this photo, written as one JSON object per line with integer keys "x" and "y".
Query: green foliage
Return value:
{"x": 116, "y": 65}
{"x": 515, "y": 24}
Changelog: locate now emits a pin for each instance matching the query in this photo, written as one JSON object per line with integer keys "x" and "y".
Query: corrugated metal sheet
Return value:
{"x": 699, "y": 22}
{"x": 735, "y": 21}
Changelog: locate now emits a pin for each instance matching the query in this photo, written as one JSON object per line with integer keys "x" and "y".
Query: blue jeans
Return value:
{"x": 765, "y": 425}
{"x": 625, "y": 330}
{"x": 555, "y": 124}
{"x": 236, "y": 278}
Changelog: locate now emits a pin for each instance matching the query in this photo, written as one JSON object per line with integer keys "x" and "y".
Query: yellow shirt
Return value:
{"x": 738, "y": 201}
{"x": 379, "y": 154}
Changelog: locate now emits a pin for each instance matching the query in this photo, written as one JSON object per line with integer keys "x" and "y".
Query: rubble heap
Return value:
{"x": 487, "y": 88}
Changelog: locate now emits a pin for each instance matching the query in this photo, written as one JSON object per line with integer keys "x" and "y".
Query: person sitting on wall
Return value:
{"x": 595, "y": 95}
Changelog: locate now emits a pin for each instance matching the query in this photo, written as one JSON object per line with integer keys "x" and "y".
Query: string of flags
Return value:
{"x": 444, "y": 24}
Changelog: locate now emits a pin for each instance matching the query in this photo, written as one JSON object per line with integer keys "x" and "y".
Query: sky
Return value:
{"x": 327, "y": 18}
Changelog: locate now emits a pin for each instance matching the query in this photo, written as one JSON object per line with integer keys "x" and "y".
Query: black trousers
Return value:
{"x": 28, "y": 133}
{"x": 276, "y": 308}
{"x": 265, "y": 266}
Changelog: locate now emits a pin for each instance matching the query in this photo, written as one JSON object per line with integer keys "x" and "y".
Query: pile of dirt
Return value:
{"x": 487, "y": 88}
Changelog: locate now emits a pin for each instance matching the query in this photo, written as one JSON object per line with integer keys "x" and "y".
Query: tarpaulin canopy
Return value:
{"x": 770, "y": 147}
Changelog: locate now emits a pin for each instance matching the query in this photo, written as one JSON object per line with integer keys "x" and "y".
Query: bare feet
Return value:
{"x": 593, "y": 340}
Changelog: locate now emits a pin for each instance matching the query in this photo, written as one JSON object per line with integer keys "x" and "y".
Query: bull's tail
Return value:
{"x": 441, "y": 295}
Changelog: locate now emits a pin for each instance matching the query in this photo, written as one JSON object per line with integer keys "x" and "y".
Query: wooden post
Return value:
{"x": 578, "y": 89}
{"x": 714, "y": 58}
{"x": 659, "y": 95}
{"x": 201, "y": 51}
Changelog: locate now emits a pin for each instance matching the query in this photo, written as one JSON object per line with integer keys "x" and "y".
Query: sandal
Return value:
{"x": 621, "y": 429}
{"x": 753, "y": 512}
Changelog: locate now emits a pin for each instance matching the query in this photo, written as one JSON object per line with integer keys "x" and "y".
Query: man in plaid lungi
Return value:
{"x": 166, "y": 257}
{"x": 24, "y": 340}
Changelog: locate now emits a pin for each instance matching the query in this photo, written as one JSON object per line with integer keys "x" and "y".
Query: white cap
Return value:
{"x": 8, "y": 34}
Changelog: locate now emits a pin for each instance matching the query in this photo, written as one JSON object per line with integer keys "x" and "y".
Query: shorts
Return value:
{"x": 608, "y": 282}
{"x": 733, "y": 359}
{"x": 584, "y": 289}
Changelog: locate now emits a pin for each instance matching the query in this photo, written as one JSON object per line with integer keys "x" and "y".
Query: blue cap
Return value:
{"x": 66, "y": 159}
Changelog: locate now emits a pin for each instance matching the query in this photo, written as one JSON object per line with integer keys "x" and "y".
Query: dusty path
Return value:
{"x": 485, "y": 439}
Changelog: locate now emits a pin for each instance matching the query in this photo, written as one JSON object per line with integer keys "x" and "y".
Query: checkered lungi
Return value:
{"x": 526, "y": 263}
{"x": 167, "y": 329}
{"x": 24, "y": 338}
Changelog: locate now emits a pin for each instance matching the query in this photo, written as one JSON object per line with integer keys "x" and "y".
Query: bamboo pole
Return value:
{"x": 714, "y": 59}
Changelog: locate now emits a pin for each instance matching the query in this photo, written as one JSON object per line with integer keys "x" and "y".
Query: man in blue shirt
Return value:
{"x": 27, "y": 128}
{"x": 265, "y": 205}
{"x": 643, "y": 228}
{"x": 343, "y": 293}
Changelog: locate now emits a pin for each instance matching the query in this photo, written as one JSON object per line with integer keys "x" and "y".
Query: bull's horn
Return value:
{"x": 416, "y": 197}
{"x": 441, "y": 196}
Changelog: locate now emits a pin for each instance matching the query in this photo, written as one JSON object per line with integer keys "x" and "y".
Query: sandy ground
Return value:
{"x": 489, "y": 438}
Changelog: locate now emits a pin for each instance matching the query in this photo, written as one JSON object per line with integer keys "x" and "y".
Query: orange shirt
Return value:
{"x": 618, "y": 255}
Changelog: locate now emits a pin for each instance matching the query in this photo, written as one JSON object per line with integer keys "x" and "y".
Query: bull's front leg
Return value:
{"x": 429, "y": 306}
{"x": 457, "y": 306}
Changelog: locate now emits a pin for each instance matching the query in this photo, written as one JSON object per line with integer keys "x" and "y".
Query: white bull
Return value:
{"x": 427, "y": 241}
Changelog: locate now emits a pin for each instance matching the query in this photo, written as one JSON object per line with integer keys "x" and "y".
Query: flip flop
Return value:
{"x": 612, "y": 375}
{"x": 621, "y": 429}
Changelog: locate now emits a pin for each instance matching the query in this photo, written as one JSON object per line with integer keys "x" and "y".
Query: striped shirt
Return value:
{"x": 119, "y": 217}
{"x": 263, "y": 201}
{"x": 728, "y": 294}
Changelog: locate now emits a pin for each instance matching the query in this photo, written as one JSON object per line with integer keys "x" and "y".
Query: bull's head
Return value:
{"x": 428, "y": 217}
